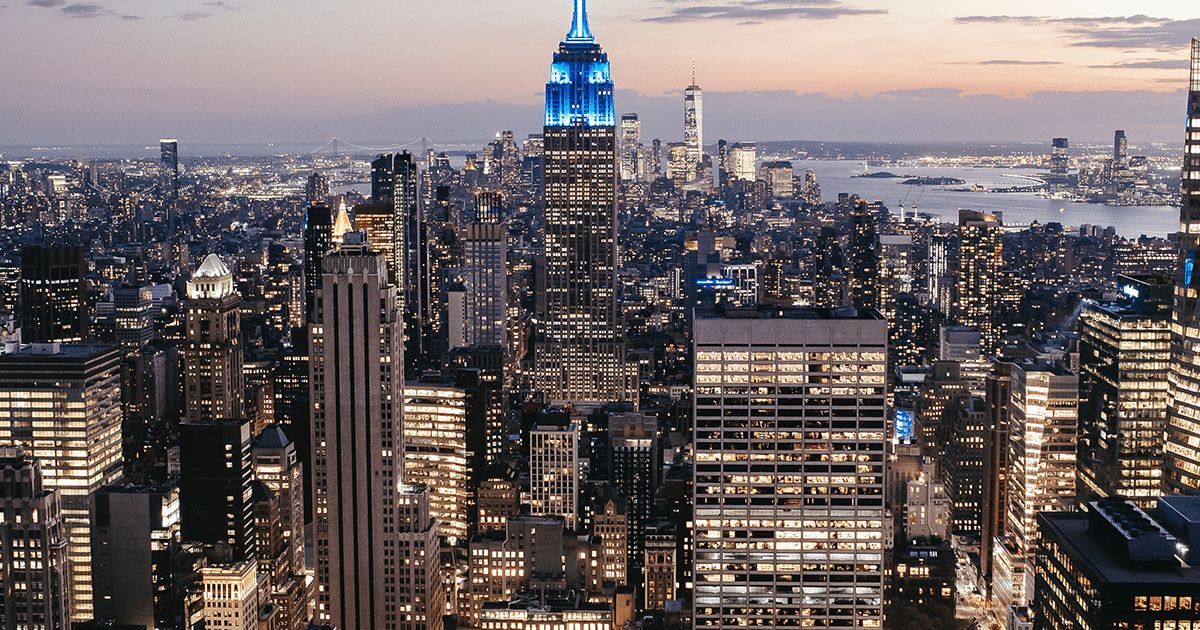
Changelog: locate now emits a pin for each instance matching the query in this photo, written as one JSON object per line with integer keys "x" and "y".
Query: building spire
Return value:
{"x": 1195, "y": 82}
{"x": 581, "y": 31}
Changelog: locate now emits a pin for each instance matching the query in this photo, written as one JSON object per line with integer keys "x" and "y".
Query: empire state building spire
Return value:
{"x": 581, "y": 31}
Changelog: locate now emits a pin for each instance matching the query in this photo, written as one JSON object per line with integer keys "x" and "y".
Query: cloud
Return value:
{"x": 1155, "y": 64}
{"x": 49, "y": 4}
{"x": 86, "y": 10}
{"x": 1010, "y": 62}
{"x": 922, "y": 94}
{"x": 192, "y": 16}
{"x": 223, "y": 6}
{"x": 758, "y": 11}
{"x": 1131, "y": 32}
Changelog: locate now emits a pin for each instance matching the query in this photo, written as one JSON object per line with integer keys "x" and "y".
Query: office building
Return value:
{"x": 679, "y": 170}
{"x": 1043, "y": 419}
{"x": 356, "y": 377}
{"x": 611, "y": 525}
{"x": 276, "y": 463}
{"x": 35, "y": 587}
{"x": 214, "y": 383}
{"x": 633, "y": 442}
{"x": 781, "y": 179}
{"x": 554, "y": 471}
{"x": 133, "y": 306}
{"x": 631, "y": 148}
{"x": 552, "y": 611}
{"x": 581, "y": 356}
{"x": 316, "y": 189}
{"x": 659, "y": 568}
{"x": 1120, "y": 154}
{"x": 485, "y": 285}
{"x": 61, "y": 404}
{"x": 168, "y": 149}
{"x": 421, "y": 602}
{"x": 230, "y": 596}
{"x": 214, "y": 484}
{"x": 1060, "y": 157}
{"x": 53, "y": 294}
{"x": 435, "y": 453}
{"x": 1183, "y": 430}
{"x": 743, "y": 161}
{"x": 977, "y": 288}
{"x": 795, "y": 482}
{"x": 693, "y": 122}
{"x": 1124, "y": 381}
{"x": 136, "y": 568}
{"x": 1117, "y": 566}
{"x": 864, "y": 257}
{"x": 318, "y": 240}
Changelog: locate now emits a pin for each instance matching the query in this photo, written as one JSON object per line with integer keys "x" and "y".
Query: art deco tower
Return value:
{"x": 580, "y": 356}
{"x": 1183, "y": 432}
{"x": 213, "y": 349}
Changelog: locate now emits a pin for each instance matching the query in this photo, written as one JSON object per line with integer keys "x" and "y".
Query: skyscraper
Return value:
{"x": 214, "y": 484}
{"x": 421, "y": 601}
{"x": 212, "y": 353}
{"x": 581, "y": 357}
{"x": 693, "y": 121}
{"x": 35, "y": 589}
{"x": 1060, "y": 156}
{"x": 790, "y": 439}
{"x": 553, "y": 471}
{"x": 485, "y": 285}
{"x": 1120, "y": 148}
{"x": 743, "y": 161}
{"x": 356, "y": 378}
{"x": 1182, "y": 471}
{"x": 435, "y": 453}
{"x": 864, "y": 256}
{"x": 62, "y": 405}
{"x": 980, "y": 258}
{"x": 168, "y": 150}
{"x": 1125, "y": 365}
{"x": 318, "y": 240}
{"x": 631, "y": 147}
{"x": 394, "y": 184}
{"x": 316, "y": 189}
{"x": 53, "y": 294}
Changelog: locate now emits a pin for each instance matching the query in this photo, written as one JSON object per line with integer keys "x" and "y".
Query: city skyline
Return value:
{"x": 224, "y": 72}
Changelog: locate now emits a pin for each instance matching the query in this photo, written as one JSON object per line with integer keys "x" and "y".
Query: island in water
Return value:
{"x": 934, "y": 181}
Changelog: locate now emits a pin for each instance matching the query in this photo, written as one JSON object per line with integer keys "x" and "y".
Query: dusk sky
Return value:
{"x": 129, "y": 71}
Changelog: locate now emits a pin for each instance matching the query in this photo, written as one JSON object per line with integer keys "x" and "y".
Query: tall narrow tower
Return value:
{"x": 581, "y": 355}
{"x": 693, "y": 120}
{"x": 213, "y": 348}
{"x": 1183, "y": 432}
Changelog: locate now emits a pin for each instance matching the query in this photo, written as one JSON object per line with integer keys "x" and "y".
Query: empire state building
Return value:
{"x": 580, "y": 354}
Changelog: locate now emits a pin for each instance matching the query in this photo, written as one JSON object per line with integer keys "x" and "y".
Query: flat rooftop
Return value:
{"x": 1072, "y": 531}
{"x": 793, "y": 312}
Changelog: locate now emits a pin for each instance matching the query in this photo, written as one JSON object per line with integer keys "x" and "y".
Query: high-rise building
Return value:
{"x": 485, "y": 285}
{"x": 61, "y": 404}
{"x": 421, "y": 601}
{"x": 633, "y": 440}
{"x": 276, "y": 464}
{"x": 1060, "y": 156}
{"x": 435, "y": 453}
{"x": 743, "y": 161}
{"x": 998, "y": 392}
{"x": 230, "y": 596}
{"x": 53, "y": 294}
{"x": 356, "y": 378}
{"x": 318, "y": 240}
{"x": 1124, "y": 381}
{"x": 781, "y": 179}
{"x": 394, "y": 186}
{"x": 693, "y": 122}
{"x": 611, "y": 525}
{"x": 554, "y": 471}
{"x": 631, "y": 147}
{"x": 1117, "y": 566}
{"x": 136, "y": 570}
{"x": 864, "y": 257}
{"x": 679, "y": 170}
{"x": 1120, "y": 148}
{"x": 214, "y": 484}
{"x": 134, "y": 316}
{"x": 168, "y": 150}
{"x": 767, "y": 471}
{"x": 1183, "y": 431}
{"x": 316, "y": 189}
{"x": 1043, "y": 419}
{"x": 35, "y": 587}
{"x": 212, "y": 353}
{"x": 980, "y": 261}
{"x": 581, "y": 357}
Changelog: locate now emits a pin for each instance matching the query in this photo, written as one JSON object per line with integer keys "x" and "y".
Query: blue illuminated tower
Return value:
{"x": 580, "y": 354}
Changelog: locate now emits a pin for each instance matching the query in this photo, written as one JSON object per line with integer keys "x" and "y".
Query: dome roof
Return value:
{"x": 212, "y": 267}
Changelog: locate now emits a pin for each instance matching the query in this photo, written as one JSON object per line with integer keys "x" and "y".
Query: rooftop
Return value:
{"x": 774, "y": 312}
{"x": 1099, "y": 557}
